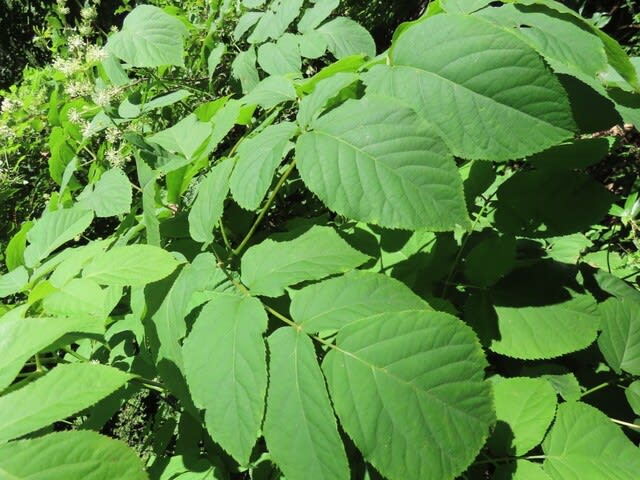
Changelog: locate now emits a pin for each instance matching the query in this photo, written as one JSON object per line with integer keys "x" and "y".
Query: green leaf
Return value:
{"x": 270, "y": 267}
{"x": 131, "y": 265}
{"x": 14, "y": 281}
{"x": 63, "y": 391}
{"x": 546, "y": 331}
{"x": 209, "y": 204}
{"x": 281, "y": 58}
{"x": 300, "y": 428}
{"x": 315, "y": 15}
{"x": 312, "y": 45}
{"x": 339, "y": 301}
{"x": 584, "y": 443}
{"x": 345, "y": 37}
{"x": 472, "y": 89}
{"x": 74, "y": 260}
{"x": 245, "y": 22}
{"x": 214, "y": 58}
{"x": 21, "y": 338}
{"x": 463, "y": 6}
{"x": 14, "y": 252}
{"x": 577, "y": 154}
{"x": 111, "y": 195}
{"x": 275, "y": 20}
{"x": 244, "y": 69}
{"x": 619, "y": 341}
{"x": 632, "y": 392}
{"x": 258, "y": 159}
{"x": 81, "y": 297}
{"x": 490, "y": 260}
{"x": 520, "y": 470}
{"x": 53, "y": 230}
{"x": 375, "y": 161}
{"x": 312, "y": 105}
{"x": 185, "y": 137}
{"x": 149, "y": 37}
{"x": 525, "y": 408}
{"x": 225, "y": 366}
{"x": 270, "y": 92}
{"x": 68, "y": 455}
{"x": 565, "y": 202}
{"x": 408, "y": 389}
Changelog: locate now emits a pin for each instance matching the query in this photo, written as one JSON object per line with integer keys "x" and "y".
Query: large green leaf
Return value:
{"x": 110, "y": 196}
{"x": 185, "y": 137}
{"x": 275, "y": 20}
{"x": 70, "y": 455}
{"x": 299, "y": 427}
{"x": 314, "y": 16}
{"x": 479, "y": 85}
{"x": 271, "y": 91}
{"x": 408, "y": 389}
{"x": 207, "y": 209}
{"x": 632, "y": 392}
{"x": 584, "y": 444}
{"x": 282, "y": 57}
{"x": 244, "y": 69}
{"x": 619, "y": 341}
{"x": 79, "y": 297}
{"x": 258, "y": 159}
{"x": 336, "y": 302}
{"x": 271, "y": 266}
{"x": 525, "y": 408}
{"x": 375, "y": 161}
{"x": 63, "y": 391}
{"x": 53, "y": 230}
{"x": 149, "y": 37}
{"x": 520, "y": 470}
{"x": 131, "y": 265}
{"x": 13, "y": 281}
{"x": 21, "y": 338}
{"x": 463, "y": 6}
{"x": 312, "y": 105}
{"x": 225, "y": 366}
{"x": 345, "y": 37}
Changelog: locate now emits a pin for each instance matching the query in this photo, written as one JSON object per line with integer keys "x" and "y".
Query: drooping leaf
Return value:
{"x": 54, "y": 229}
{"x": 585, "y": 443}
{"x": 300, "y": 427}
{"x": 14, "y": 251}
{"x": 149, "y": 37}
{"x": 185, "y": 137}
{"x": 525, "y": 408}
{"x": 269, "y": 267}
{"x": 225, "y": 366}
{"x": 619, "y": 341}
{"x": 21, "y": 338}
{"x": 110, "y": 196}
{"x": 336, "y": 302}
{"x": 408, "y": 389}
{"x": 131, "y": 265}
{"x": 346, "y": 37}
{"x": 73, "y": 454}
{"x": 373, "y": 160}
{"x": 209, "y": 204}
{"x": 63, "y": 391}
{"x": 472, "y": 89}
{"x": 258, "y": 159}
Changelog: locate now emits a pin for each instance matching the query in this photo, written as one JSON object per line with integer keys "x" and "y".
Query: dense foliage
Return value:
{"x": 268, "y": 250}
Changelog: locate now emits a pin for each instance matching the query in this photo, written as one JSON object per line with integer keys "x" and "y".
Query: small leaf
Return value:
{"x": 149, "y": 37}
{"x": 110, "y": 196}
{"x": 490, "y": 260}
{"x": 14, "y": 281}
{"x": 244, "y": 69}
{"x": 185, "y": 137}
{"x": 313, "y": 104}
{"x": 315, "y": 15}
{"x": 300, "y": 428}
{"x": 632, "y": 392}
{"x": 275, "y": 21}
{"x": 258, "y": 159}
{"x": 131, "y": 265}
{"x": 70, "y": 455}
{"x": 271, "y": 266}
{"x": 619, "y": 341}
{"x": 53, "y": 230}
{"x": 585, "y": 443}
{"x": 375, "y": 161}
{"x": 214, "y": 58}
{"x": 225, "y": 366}
{"x": 63, "y": 391}
{"x": 345, "y": 37}
{"x": 408, "y": 389}
{"x": 525, "y": 408}
{"x": 209, "y": 204}
{"x": 281, "y": 58}
{"x": 336, "y": 302}
{"x": 270, "y": 92}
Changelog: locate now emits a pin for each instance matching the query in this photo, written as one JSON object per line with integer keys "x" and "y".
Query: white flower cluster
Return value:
{"x": 78, "y": 88}
{"x": 103, "y": 96}
{"x": 68, "y": 66}
{"x": 116, "y": 157}
{"x": 62, "y": 7}
{"x": 9, "y": 106}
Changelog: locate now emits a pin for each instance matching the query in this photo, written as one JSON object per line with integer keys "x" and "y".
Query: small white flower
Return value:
{"x": 88, "y": 13}
{"x": 87, "y": 131}
{"x": 76, "y": 42}
{"x": 85, "y": 29}
{"x": 112, "y": 135}
{"x": 9, "y": 105}
{"x": 114, "y": 28}
{"x": 78, "y": 89}
{"x": 63, "y": 10}
{"x": 67, "y": 66}
{"x": 94, "y": 54}
{"x": 6, "y": 132}
{"x": 115, "y": 157}
{"x": 74, "y": 116}
{"x": 102, "y": 97}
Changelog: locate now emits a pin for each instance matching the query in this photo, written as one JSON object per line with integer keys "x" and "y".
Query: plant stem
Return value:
{"x": 625, "y": 424}
{"x": 225, "y": 239}
{"x": 73, "y": 353}
{"x": 595, "y": 389}
{"x": 266, "y": 207}
{"x": 150, "y": 384}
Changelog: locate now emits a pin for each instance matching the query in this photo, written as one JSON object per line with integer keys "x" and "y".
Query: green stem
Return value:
{"x": 266, "y": 207}
{"x": 595, "y": 389}
{"x": 625, "y": 424}
{"x": 150, "y": 384}
{"x": 509, "y": 459}
{"x": 73, "y": 353}
{"x": 225, "y": 239}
